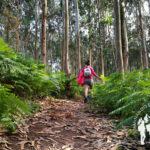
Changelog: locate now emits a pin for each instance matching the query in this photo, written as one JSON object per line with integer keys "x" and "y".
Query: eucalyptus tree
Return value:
{"x": 138, "y": 26}
{"x": 63, "y": 37}
{"x": 142, "y": 35}
{"x": 43, "y": 40}
{"x": 124, "y": 36}
{"x": 90, "y": 30}
{"x": 67, "y": 70}
{"x": 36, "y": 28}
{"x": 78, "y": 64}
{"x": 118, "y": 36}
{"x": 100, "y": 36}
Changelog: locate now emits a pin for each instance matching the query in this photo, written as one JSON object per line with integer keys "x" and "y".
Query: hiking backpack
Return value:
{"x": 87, "y": 72}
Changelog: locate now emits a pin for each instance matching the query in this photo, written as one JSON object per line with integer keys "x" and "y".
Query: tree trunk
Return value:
{"x": 113, "y": 53}
{"x": 90, "y": 33}
{"x": 17, "y": 40}
{"x": 90, "y": 56}
{"x": 139, "y": 38}
{"x": 77, "y": 37}
{"x": 63, "y": 38}
{"x": 50, "y": 36}
{"x": 62, "y": 56}
{"x": 142, "y": 37}
{"x": 102, "y": 61}
{"x": 101, "y": 29}
{"x": 36, "y": 28}
{"x": 124, "y": 36}
{"x": 8, "y": 32}
{"x": 102, "y": 49}
{"x": 97, "y": 61}
{"x": 26, "y": 41}
{"x": 51, "y": 60}
{"x": 67, "y": 71}
{"x": 149, "y": 5}
{"x": 44, "y": 31}
{"x": 118, "y": 34}
{"x": 61, "y": 48}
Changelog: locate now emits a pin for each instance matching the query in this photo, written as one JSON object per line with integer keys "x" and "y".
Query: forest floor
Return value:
{"x": 66, "y": 125}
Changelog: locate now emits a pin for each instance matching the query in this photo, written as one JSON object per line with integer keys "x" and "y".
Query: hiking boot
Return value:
{"x": 85, "y": 100}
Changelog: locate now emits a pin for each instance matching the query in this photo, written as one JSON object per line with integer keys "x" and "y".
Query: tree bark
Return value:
{"x": 51, "y": 49}
{"x": 118, "y": 34}
{"x": 124, "y": 36}
{"x": 90, "y": 56}
{"x": 43, "y": 43}
{"x": 17, "y": 40}
{"x": 139, "y": 38}
{"x": 63, "y": 38}
{"x": 102, "y": 61}
{"x": 101, "y": 34}
{"x": 67, "y": 70}
{"x": 8, "y": 32}
{"x": 143, "y": 43}
{"x": 90, "y": 33}
{"x": 36, "y": 28}
{"x": 101, "y": 49}
{"x": 77, "y": 37}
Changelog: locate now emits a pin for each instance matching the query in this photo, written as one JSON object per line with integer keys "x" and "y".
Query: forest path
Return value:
{"x": 64, "y": 125}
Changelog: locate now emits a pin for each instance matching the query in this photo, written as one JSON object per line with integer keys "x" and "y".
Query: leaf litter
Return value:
{"x": 64, "y": 125}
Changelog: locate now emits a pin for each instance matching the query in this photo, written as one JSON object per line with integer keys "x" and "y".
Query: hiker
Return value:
{"x": 85, "y": 79}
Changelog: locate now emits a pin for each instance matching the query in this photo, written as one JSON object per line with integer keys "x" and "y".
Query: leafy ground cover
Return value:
{"x": 64, "y": 125}
{"x": 124, "y": 98}
{"x": 22, "y": 81}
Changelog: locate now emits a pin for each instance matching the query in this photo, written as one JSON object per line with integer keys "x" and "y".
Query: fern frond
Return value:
{"x": 126, "y": 122}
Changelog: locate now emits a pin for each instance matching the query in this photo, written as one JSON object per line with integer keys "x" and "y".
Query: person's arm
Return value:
{"x": 94, "y": 74}
{"x": 98, "y": 77}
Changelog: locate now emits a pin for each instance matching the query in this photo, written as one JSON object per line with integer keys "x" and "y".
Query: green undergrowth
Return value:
{"x": 11, "y": 109}
{"x": 124, "y": 98}
{"x": 22, "y": 81}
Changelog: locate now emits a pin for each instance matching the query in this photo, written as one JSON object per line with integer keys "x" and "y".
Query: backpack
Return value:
{"x": 87, "y": 72}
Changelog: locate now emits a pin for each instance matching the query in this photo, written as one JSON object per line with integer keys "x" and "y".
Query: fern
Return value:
{"x": 12, "y": 108}
{"x": 126, "y": 122}
{"x": 124, "y": 98}
{"x": 24, "y": 79}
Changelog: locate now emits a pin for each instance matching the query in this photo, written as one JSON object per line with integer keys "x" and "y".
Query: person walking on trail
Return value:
{"x": 85, "y": 79}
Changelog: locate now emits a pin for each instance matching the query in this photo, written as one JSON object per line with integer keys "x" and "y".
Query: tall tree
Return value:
{"x": 77, "y": 37}
{"x": 118, "y": 35}
{"x": 43, "y": 43}
{"x": 124, "y": 35}
{"x": 100, "y": 37}
{"x": 67, "y": 70}
{"x": 90, "y": 31}
{"x": 137, "y": 27}
{"x": 36, "y": 28}
{"x": 62, "y": 4}
{"x": 142, "y": 35}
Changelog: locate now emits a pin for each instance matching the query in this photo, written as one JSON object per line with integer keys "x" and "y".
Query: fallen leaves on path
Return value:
{"x": 64, "y": 125}
{"x": 66, "y": 115}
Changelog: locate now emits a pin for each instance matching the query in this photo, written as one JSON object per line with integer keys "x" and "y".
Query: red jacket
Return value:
{"x": 81, "y": 77}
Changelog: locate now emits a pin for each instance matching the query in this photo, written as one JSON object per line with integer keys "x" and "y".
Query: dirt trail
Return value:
{"x": 64, "y": 125}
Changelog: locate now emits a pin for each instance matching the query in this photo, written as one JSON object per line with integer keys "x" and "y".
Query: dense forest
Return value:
{"x": 45, "y": 43}
{"x": 55, "y": 31}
